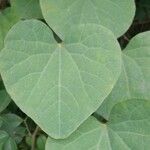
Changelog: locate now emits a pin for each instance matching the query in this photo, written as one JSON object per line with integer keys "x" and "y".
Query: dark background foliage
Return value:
{"x": 33, "y": 136}
{"x": 141, "y": 21}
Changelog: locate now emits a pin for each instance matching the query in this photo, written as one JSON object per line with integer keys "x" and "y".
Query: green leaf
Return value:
{"x": 127, "y": 129}
{"x": 11, "y": 125}
{"x": 4, "y": 100}
{"x": 20, "y": 9}
{"x": 41, "y": 140}
{"x": 27, "y": 8}
{"x": 3, "y": 138}
{"x": 7, "y": 20}
{"x": 6, "y": 142}
{"x": 10, "y": 145}
{"x": 59, "y": 85}
{"x": 139, "y": 51}
{"x": 1, "y": 122}
{"x": 28, "y": 140}
{"x": 10, "y": 122}
{"x": 134, "y": 81}
{"x": 116, "y": 15}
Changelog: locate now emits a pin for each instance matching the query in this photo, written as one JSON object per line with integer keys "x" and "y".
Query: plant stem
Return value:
{"x": 27, "y": 127}
{"x": 34, "y": 137}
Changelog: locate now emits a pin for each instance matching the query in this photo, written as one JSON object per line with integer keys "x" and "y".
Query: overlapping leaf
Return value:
{"x": 139, "y": 51}
{"x": 27, "y": 9}
{"x": 20, "y": 9}
{"x": 127, "y": 129}
{"x": 7, "y": 20}
{"x": 59, "y": 85}
{"x": 116, "y": 15}
{"x": 4, "y": 100}
{"x": 134, "y": 81}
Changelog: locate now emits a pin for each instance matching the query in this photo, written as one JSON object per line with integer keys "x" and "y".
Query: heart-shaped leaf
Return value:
{"x": 127, "y": 129}
{"x": 116, "y": 15}
{"x": 59, "y": 85}
{"x": 134, "y": 81}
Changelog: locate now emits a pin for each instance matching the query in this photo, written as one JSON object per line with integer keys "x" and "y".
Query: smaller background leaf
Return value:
{"x": 4, "y": 100}
{"x": 11, "y": 125}
{"x": 127, "y": 129}
{"x": 41, "y": 140}
{"x": 134, "y": 81}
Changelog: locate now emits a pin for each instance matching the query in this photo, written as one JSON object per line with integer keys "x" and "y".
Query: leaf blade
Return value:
{"x": 68, "y": 76}
{"x": 134, "y": 80}
{"x": 123, "y": 129}
{"x": 60, "y": 15}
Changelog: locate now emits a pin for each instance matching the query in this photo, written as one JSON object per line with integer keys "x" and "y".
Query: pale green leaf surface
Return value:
{"x": 27, "y": 9}
{"x": 127, "y": 129}
{"x": 20, "y": 9}
{"x": 116, "y": 15}
{"x": 139, "y": 50}
{"x": 7, "y": 20}
{"x": 134, "y": 81}
{"x": 4, "y": 100}
{"x": 59, "y": 85}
